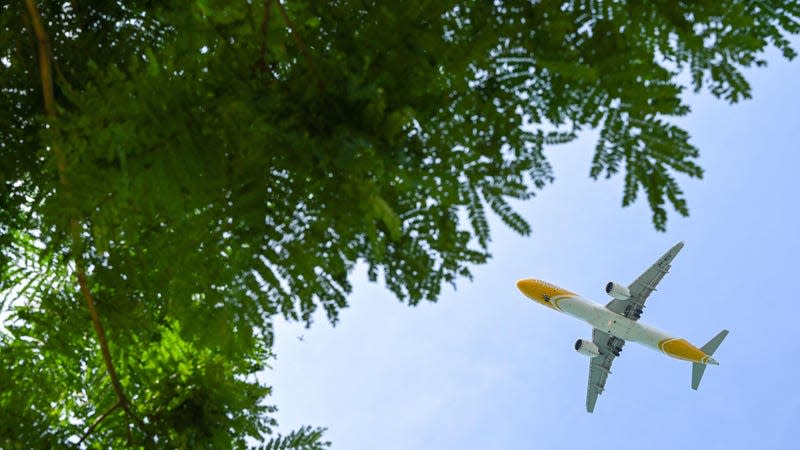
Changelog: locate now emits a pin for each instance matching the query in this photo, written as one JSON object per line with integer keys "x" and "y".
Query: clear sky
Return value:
{"x": 486, "y": 368}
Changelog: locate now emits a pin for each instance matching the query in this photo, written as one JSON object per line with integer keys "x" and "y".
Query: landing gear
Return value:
{"x": 633, "y": 312}
{"x": 615, "y": 345}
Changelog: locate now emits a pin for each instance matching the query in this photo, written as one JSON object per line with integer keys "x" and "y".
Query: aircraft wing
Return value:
{"x": 600, "y": 366}
{"x": 644, "y": 285}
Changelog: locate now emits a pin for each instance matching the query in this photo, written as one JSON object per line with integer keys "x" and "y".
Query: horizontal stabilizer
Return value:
{"x": 708, "y": 349}
{"x": 713, "y": 344}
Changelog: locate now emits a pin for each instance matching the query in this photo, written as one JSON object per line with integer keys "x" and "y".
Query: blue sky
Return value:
{"x": 486, "y": 368}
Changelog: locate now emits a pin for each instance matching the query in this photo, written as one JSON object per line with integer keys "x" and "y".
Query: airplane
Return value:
{"x": 617, "y": 322}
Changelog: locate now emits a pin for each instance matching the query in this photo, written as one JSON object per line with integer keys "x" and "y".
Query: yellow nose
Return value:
{"x": 531, "y": 288}
{"x": 542, "y": 292}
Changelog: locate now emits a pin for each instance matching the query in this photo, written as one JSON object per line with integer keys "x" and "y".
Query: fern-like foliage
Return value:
{"x": 304, "y": 438}
{"x": 613, "y": 65}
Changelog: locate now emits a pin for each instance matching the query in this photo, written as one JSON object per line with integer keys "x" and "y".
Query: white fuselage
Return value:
{"x": 598, "y": 316}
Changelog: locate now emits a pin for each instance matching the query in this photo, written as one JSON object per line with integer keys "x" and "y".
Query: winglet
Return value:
{"x": 708, "y": 349}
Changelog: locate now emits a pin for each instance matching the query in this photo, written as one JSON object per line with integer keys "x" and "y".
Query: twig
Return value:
{"x": 98, "y": 420}
{"x": 262, "y": 63}
{"x": 299, "y": 41}
{"x": 98, "y": 327}
{"x": 45, "y": 70}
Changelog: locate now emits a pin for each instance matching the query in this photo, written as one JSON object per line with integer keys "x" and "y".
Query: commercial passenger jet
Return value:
{"x": 617, "y": 322}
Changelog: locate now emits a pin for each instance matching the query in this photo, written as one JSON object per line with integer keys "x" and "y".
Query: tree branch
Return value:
{"x": 98, "y": 420}
{"x": 46, "y": 75}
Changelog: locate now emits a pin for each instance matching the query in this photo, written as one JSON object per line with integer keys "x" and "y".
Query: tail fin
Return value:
{"x": 708, "y": 349}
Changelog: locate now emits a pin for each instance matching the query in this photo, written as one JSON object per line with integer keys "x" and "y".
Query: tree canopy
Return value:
{"x": 175, "y": 175}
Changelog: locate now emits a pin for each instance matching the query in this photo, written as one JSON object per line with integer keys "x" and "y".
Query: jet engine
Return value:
{"x": 617, "y": 291}
{"x": 587, "y": 348}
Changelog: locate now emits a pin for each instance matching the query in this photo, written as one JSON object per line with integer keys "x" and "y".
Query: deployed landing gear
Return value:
{"x": 633, "y": 312}
{"x": 615, "y": 345}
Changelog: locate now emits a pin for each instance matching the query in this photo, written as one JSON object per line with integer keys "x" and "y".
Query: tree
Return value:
{"x": 174, "y": 177}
